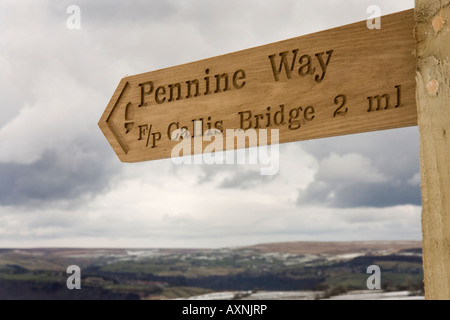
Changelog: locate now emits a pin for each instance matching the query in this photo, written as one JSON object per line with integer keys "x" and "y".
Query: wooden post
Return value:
{"x": 433, "y": 106}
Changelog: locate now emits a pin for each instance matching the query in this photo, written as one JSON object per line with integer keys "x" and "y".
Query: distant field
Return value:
{"x": 336, "y": 247}
{"x": 328, "y": 268}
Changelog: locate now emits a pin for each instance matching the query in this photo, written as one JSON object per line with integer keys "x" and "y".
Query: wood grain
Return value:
{"x": 337, "y": 75}
{"x": 433, "y": 104}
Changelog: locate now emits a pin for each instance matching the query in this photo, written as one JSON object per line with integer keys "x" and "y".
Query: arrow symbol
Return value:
{"x": 129, "y": 116}
{"x": 112, "y": 123}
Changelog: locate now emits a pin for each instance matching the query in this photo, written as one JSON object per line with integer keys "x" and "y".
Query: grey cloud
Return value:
{"x": 245, "y": 180}
{"x": 226, "y": 176}
{"x": 80, "y": 169}
{"x": 371, "y": 170}
{"x": 360, "y": 195}
{"x": 108, "y": 14}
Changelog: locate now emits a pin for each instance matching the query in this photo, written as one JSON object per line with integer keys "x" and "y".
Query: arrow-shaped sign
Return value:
{"x": 341, "y": 81}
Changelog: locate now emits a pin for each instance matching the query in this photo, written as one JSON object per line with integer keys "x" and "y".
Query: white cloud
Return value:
{"x": 415, "y": 180}
{"x": 140, "y": 214}
{"x": 350, "y": 167}
{"x": 62, "y": 111}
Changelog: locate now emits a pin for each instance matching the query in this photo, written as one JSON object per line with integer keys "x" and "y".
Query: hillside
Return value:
{"x": 325, "y": 268}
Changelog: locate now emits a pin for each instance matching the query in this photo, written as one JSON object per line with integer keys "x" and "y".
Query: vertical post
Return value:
{"x": 433, "y": 106}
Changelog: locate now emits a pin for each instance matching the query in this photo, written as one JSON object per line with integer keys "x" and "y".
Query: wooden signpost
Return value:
{"x": 433, "y": 104}
{"x": 336, "y": 82}
{"x": 340, "y": 81}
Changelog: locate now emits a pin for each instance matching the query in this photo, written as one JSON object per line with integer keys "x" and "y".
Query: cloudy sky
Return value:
{"x": 62, "y": 185}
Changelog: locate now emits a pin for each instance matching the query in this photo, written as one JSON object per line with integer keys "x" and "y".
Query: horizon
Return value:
{"x": 214, "y": 248}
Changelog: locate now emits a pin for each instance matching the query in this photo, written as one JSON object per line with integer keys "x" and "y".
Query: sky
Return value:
{"x": 61, "y": 184}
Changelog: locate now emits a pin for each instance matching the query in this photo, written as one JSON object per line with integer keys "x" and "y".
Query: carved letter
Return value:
{"x": 323, "y": 65}
{"x": 283, "y": 62}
